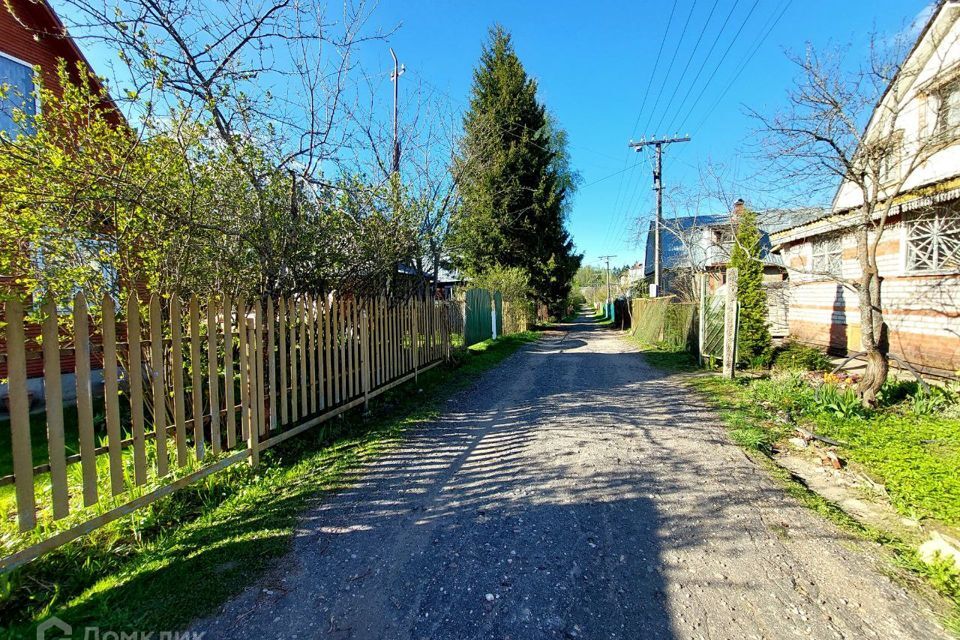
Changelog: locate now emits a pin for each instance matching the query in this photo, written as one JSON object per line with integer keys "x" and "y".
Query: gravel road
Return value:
{"x": 573, "y": 492}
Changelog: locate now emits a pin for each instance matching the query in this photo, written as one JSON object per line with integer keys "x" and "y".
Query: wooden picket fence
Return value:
{"x": 191, "y": 388}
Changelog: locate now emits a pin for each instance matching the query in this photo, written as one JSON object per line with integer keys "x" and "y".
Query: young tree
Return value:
{"x": 753, "y": 336}
{"x": 515, "y": 187}
{"x": 853, "y": 127}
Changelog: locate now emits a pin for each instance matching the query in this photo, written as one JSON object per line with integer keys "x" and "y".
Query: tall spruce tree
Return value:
{"x": 753, "y": 337}
{"x": 515, "y": 179}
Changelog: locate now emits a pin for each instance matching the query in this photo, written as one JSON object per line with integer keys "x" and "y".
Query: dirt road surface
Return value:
{"x": 573, "y": 492}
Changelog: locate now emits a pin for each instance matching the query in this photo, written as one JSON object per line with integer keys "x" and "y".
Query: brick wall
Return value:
{"x": 922, "y": 311}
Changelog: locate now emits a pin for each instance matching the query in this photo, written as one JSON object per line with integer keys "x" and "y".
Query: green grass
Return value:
{"x": 184, "y": 555}
{"x": 915, "y": 456}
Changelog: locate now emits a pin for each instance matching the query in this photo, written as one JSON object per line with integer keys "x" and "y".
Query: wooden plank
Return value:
{"x": 318, "y": 339}
{"x": 314, "y": 421}
{"x": 392, "y": 338}
{"x": 365, "y": 357}
{"x": 292, "y": 318}
{"x": 229, "y": 400}
{"x": 158, "y": 386}
{"x": 135, "y": 379}
{"x": 256, "y": 407}
{"x": 358, "y": 365}
{"x": 378, "y": 340}
{"x": 243, "y": 360}
{"x": 53, "y": 398}
{"x": 303, "y": 352}
{"x": 111, "y": 394}
{"x": 196, "y": 380}
{"x": 335, "y": 345}
{"x": 20, "y": 416}
{"x": 351, "y": 345}
{"x": 260, "y": 375}
{"x": 22, "y": 557}
{"x": 176, "y": 365}
{"x": 282, "y": 331}
{"x": 213, "y": 376}
{"x": 327, "y": 348}
{"x": 311, "y": 345}
{"x": 270, "y": 352}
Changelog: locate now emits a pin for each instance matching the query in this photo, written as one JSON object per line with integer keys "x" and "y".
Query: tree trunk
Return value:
{"x": 873, "y": 329}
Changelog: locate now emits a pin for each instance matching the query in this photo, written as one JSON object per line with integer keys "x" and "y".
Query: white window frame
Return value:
{"x": 940, "y": 127}
{"x": 30, "y": 66}
{"x": 818, "y": 250}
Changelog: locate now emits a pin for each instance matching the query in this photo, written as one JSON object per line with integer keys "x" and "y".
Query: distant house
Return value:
{"x": 919, "y": 251}
{"x": 703, "y": 244}
{"x": 31, "y": 35}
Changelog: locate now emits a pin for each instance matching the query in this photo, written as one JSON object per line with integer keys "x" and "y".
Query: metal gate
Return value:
{"x": 478, "y": 327}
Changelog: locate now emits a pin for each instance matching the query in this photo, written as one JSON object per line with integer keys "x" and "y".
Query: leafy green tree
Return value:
{"x": 753, "y": 338}
{"x": 516, "y": 180}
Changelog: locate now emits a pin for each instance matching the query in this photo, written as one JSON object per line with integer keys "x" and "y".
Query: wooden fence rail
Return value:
{"x": 189, "y": 387}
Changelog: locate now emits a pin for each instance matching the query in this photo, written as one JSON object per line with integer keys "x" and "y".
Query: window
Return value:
{"x": 892, "y": 159}
{"x": 948, "y": 118}
{"x": 16, "y": 88}
{"x": 933, "y": 241}
{"x": 828, "y": 256}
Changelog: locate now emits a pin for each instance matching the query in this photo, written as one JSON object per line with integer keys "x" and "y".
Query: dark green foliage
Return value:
{"x": 794, "y": 356}
{"x": 516, "y": 180}
{"x": 753, "y": 338}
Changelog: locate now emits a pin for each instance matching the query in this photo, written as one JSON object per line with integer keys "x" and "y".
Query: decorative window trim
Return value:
{"x": 932, "y": 242}
{"x": 827, "y": 256}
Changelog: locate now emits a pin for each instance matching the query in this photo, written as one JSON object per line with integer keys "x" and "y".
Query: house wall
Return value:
{"x": 38, "y": 44}
{"x": 914, "y": 101}
{"x": 922, "y": 310}
{"x": 32, "y": 34}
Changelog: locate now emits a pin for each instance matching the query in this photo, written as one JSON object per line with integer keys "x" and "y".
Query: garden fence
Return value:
{"x": 189, "y": 388}
{"x": 663, "y": 322}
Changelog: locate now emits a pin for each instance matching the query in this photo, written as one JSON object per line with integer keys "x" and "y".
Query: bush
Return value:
{"x": 794, "y": 356}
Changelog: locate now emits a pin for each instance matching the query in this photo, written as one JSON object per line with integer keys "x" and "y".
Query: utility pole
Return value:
{"x": 398, "y": 70}
{"x": 658, "y": 187}
{"x": 609, "y": 311}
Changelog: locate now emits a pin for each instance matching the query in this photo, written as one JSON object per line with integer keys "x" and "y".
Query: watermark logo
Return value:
{"x": 52, "y": 628}
{"x": 56, "y": 629}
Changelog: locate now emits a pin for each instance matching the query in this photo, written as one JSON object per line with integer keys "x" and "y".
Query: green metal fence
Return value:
{"x": 477, "y": 327}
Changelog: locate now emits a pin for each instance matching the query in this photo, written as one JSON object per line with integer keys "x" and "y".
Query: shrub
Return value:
{"x": 794, "y": 356}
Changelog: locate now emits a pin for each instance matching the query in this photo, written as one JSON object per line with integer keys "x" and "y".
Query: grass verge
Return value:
{"x": 891, "y": 443}
{"x": 182, "y": 556}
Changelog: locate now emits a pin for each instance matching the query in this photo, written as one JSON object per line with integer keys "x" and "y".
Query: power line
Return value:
{"x": 746, "y": 61}
{"x": 703, "y": 65}
{"x": 686, "y": 67}
{"x": 656, "y": 64}
{"x": 713, "y": 74}
{"x": 670, "y": 66}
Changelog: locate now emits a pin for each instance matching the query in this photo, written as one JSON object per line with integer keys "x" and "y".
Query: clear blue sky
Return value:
{"x": 594, "y": 61}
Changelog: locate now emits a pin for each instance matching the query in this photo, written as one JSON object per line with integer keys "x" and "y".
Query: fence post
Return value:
{"x": 365, "y": 358}
{"x": 730, "y": 326}
{"x": 414, "y": 340}
{"x": 702, "y": 325}
{"x": 252, "y": 384}
{"x": 493, "y": 316}
{"x": 20, "y": 416}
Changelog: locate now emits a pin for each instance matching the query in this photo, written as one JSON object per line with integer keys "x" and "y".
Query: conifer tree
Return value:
{"x": 753, "y": 337}
{"x": 516, "y": 179}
